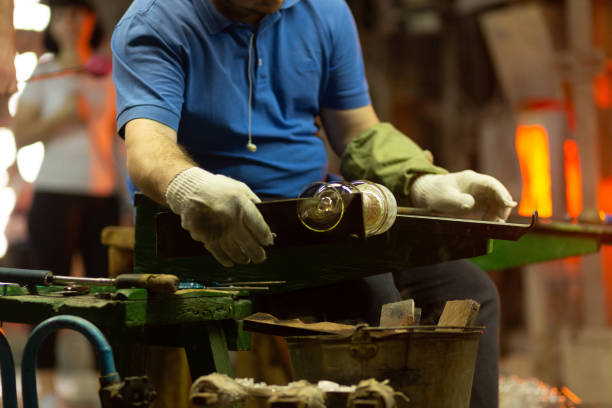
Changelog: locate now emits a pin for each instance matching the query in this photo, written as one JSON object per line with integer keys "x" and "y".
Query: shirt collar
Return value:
{"x": 215, "y": 21}
{"x": 288, "y": 3}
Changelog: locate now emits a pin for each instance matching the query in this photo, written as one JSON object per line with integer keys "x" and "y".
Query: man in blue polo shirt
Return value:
{"x": 216, "y": 100}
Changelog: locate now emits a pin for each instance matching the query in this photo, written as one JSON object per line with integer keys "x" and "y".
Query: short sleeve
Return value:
{"x": 347, "y": 87}
{"x": 148, "y": 74}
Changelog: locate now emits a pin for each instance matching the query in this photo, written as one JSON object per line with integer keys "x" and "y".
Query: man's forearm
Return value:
{"x": 343, "y": 125}
{"x": 153, "y": 157}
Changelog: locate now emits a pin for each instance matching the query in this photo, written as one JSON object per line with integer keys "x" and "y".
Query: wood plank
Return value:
{"x": 459, "y": 313}
{"x": 268, "y": 324}
{"x": 398, "y": 314}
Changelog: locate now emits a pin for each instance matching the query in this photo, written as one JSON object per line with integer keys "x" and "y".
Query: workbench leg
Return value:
{"x": 168, "y": 373}
{"x": 209, "y": 353}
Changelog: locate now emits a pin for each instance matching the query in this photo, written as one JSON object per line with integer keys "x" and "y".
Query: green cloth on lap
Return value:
{"x": 385, "y": 155}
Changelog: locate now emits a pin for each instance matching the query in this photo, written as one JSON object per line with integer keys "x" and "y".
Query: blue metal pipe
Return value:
{"x": 103, "y": 351}
{"x": 7, "y": 373}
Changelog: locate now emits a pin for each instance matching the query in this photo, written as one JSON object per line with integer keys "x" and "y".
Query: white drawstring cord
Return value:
{"x": 252, "y": 147}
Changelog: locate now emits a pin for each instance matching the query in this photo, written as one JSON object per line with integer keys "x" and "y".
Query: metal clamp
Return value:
{"x": 133, "y": 392}
{"x": 362, "y": 347}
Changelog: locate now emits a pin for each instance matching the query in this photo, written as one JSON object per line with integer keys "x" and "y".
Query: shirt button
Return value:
{"x": 260, "y": 62}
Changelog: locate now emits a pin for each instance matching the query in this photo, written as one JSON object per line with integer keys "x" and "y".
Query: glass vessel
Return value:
{"x": 322, "y": 205}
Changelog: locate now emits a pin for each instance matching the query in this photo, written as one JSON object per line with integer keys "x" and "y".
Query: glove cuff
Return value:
{"x": 420, "y": 191}
{"x": 410, "y": 192}
{"x": 384, "y": 155}
{"x": 183, "y": 185}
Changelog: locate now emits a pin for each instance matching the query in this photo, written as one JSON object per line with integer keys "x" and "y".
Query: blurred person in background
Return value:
{"x": 76, "y": 192}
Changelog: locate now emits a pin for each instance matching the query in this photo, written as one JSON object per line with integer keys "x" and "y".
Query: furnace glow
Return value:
{"x": 534, "y": 158}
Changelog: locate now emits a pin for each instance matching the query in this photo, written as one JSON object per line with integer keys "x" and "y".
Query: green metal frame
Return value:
{"x": 204, "y": 322}
{"x": 548, "y": 241}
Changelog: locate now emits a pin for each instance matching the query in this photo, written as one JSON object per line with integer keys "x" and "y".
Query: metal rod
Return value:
{"x": 82, "y": 281}
{"x": 238, "y": 288}
{"x": 229, "y": 283}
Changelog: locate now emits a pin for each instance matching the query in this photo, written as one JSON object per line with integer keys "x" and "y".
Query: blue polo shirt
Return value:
{"x": 186, "y": 65}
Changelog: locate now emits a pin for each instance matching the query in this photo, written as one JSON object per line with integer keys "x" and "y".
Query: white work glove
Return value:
{"x": 464, "y": 193}
{"x": 221, "y": 213}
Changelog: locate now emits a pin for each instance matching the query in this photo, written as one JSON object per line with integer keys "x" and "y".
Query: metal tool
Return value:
{"x": 228, "y": 285}
{"x": 253, "y": 283}
{"x": 190, "y": 284}
{"x": 155, "y": 283}
{"x": 238, "y": 288}
{"x": 445, "y": 226}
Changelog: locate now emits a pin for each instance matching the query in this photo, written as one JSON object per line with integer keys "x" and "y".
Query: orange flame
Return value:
{"x": 534, "y": 159}
{"x": 573, "y": 178}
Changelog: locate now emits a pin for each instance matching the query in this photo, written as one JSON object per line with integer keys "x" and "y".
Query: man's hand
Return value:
{"x": 221, "y": 213}
{"x": 463, "y": 193}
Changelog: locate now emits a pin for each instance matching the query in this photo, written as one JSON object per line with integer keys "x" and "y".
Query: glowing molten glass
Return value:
{"x": 534, "y": 159}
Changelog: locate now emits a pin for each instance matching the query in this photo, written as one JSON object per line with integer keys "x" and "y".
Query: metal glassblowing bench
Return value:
{"x": 304, "y": 258}
{"x": 206, "y": 321}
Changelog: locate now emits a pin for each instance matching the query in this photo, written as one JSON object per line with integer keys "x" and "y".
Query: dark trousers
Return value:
{"x": 431, "y": 286}
{"x": 60, "y": 225}
{"x": 357, "y": 301}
